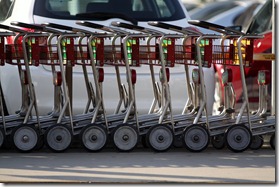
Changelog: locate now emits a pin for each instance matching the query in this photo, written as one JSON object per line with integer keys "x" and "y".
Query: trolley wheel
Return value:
{"x": 238, "y": 138}
{"x": 218, "y": 141}
{"x": 25, "y": 138}
{"x": 125, "y": 138}
{"x": 144, "y": 141}
{"x": 58, "y": 138}
{"x": 256, "y": 142}
{"x": 196, "y": 138}
{"x": 93, "y": 137}
{"x": 178, "y": 141}
{"x": 40, "y": 143}
{"x": 160, "y": 138}
{"x": 2, "y": 137}
{"x": 8, "y": 142}
{"x": 272, "y": 141}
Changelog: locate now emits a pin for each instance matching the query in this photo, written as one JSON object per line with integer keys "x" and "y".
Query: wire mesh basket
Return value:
{"x": 150, "y": 53}
{"x": 227, "y": 53}
{"x": 2, "y": 50}
{"x": 83, "y": 56}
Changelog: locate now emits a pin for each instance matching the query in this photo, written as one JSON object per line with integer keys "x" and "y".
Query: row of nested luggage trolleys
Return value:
{"x": 128, "y": 46}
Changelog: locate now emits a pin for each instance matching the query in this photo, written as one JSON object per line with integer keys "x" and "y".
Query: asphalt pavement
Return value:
{"x": 140, "y": 166}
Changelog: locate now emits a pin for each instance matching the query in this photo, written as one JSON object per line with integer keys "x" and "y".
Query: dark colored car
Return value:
{"x": 206, "y": 11}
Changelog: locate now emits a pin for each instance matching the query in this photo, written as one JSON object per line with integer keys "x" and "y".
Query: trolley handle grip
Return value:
{"x": 63, "y": 27}
{"x": 100, "y": 27}
{"x": 136, "y": 27}
{"x": 90, "y": 24}
{"x": 176, "y": 28}
{"x": 214, "y": 27}
{"x": 127, "y": 26}
{"x": 58, "y": 26}
{"x": 27, "y": 25}
{"x": 5, "y": 27}
{"x": 165, "y": 26}
{"x": 208, "y": 25}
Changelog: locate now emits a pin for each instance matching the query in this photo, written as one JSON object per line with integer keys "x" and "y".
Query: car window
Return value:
{"x": 209, "y": 10}
{"x": 141, "y": 10}
{"x": 5, "y": 9}
{"x": 262, "y": 20}
{"x": 244, "y": 17}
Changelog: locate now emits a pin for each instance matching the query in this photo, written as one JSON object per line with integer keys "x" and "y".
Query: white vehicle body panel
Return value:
{"x": 42, "y": 77}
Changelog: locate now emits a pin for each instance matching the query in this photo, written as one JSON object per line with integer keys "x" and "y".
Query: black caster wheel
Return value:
{"x": 178, "y": 141}
{"x": 272, "y": 141}
{"x": 257, "y": 142}
{"x": 41, "y": 143}
{"x": 218, "y": 141}
{"x": 2, "y": 137}
{"x": 144, "y": 141}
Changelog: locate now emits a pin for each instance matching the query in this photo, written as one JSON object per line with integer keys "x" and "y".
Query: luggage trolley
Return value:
{"x": 187, "y": 57}
{"x": 157, "y": 126}
{"x": 148, "y": 56}
{"x": 34, "y": 53}
{"x": 248, "y": 129}
{"x": 82, "y": 124}
{"x": 23, "y": 128}
{"x": 60, "y": 138}
{"x": 4, "y": 118}
{"x": 185, "y": 53}
{"x": 259, "y": 123}
{"x": 198, "y": 129}
{"x": 194, "y": 133}
{"x": 94, "y": 136}
{"x": 257, "y": 141}
{"x": 125, "y": 134}
{"x": 108, "y": 54}
{"x": 125, "y": 137}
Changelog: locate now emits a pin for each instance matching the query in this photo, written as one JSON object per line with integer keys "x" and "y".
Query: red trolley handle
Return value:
{"x": 35, "y": 27}
{"x": 9, "y": 28}
{"x": 27, "y": 25}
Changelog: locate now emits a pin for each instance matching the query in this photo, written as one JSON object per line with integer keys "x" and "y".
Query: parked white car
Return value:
{"x": 67, "y": 12}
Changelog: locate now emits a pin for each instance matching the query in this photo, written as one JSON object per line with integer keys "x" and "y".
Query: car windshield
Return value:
{"x": 140, "y": 10}
{"x": 5, "y": 7}
{"x": 262, "y": 20}
{"x": 209, "y": 10}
